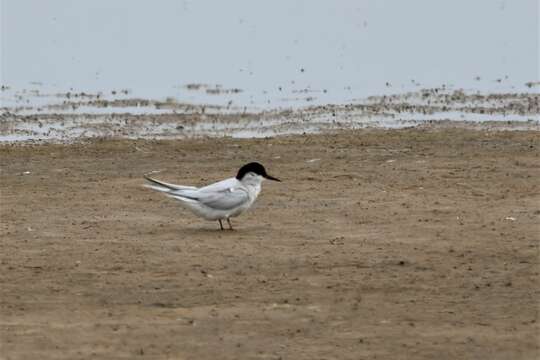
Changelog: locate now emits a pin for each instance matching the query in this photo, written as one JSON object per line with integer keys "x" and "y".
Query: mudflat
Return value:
{"x": 387, "y": 244}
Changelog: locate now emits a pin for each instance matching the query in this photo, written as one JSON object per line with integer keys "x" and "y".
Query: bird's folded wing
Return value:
{"x": 219, "y": 200}
{"x": 221, "y": 185}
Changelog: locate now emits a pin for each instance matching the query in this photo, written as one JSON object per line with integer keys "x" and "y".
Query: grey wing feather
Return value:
{"x": 227, "y": 200}
{"x": 219, "y": 200}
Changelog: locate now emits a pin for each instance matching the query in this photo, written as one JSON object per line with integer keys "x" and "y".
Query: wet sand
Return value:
{"x": 388, "y": 244}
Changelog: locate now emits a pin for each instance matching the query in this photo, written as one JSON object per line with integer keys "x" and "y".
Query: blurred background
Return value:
{"x": 271, "y": 53}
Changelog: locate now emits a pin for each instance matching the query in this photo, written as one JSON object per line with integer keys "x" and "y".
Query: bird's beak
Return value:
{"x": 271, "y": 178}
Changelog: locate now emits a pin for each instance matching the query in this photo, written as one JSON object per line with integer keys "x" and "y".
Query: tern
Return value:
{"x": 221, "y": 200}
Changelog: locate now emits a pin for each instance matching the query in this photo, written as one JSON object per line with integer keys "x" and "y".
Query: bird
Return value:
{"x": 221, "y": 200}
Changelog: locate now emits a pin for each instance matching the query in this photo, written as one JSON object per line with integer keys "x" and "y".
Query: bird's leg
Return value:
{"x": 230, "y": 225}
{"x": 220, "y": 224}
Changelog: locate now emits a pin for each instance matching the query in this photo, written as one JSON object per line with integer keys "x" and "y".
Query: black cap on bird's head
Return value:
{"x": 255, "y": 168}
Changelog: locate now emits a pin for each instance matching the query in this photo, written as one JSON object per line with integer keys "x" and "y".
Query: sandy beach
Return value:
{"x": 389, "y": 244}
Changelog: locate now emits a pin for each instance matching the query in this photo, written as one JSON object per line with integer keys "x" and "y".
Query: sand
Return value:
{"x": 387, "y": 244}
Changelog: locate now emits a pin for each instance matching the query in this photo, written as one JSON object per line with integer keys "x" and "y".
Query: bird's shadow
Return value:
{"x": 207, "y": 230}
{"x": 200, "y": 230}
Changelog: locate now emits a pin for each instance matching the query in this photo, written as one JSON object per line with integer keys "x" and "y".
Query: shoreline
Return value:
{"x": 135, "y": 118}
{"x": 67, "y": 129}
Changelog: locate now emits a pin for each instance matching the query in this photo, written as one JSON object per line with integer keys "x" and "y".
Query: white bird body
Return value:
{"x": 218, "y": 201}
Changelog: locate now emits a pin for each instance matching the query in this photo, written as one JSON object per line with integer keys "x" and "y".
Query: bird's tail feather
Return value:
{"x": 172, "y": 193}
{"x": 163, "y": 186}
{"x": 157, "y": 188}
